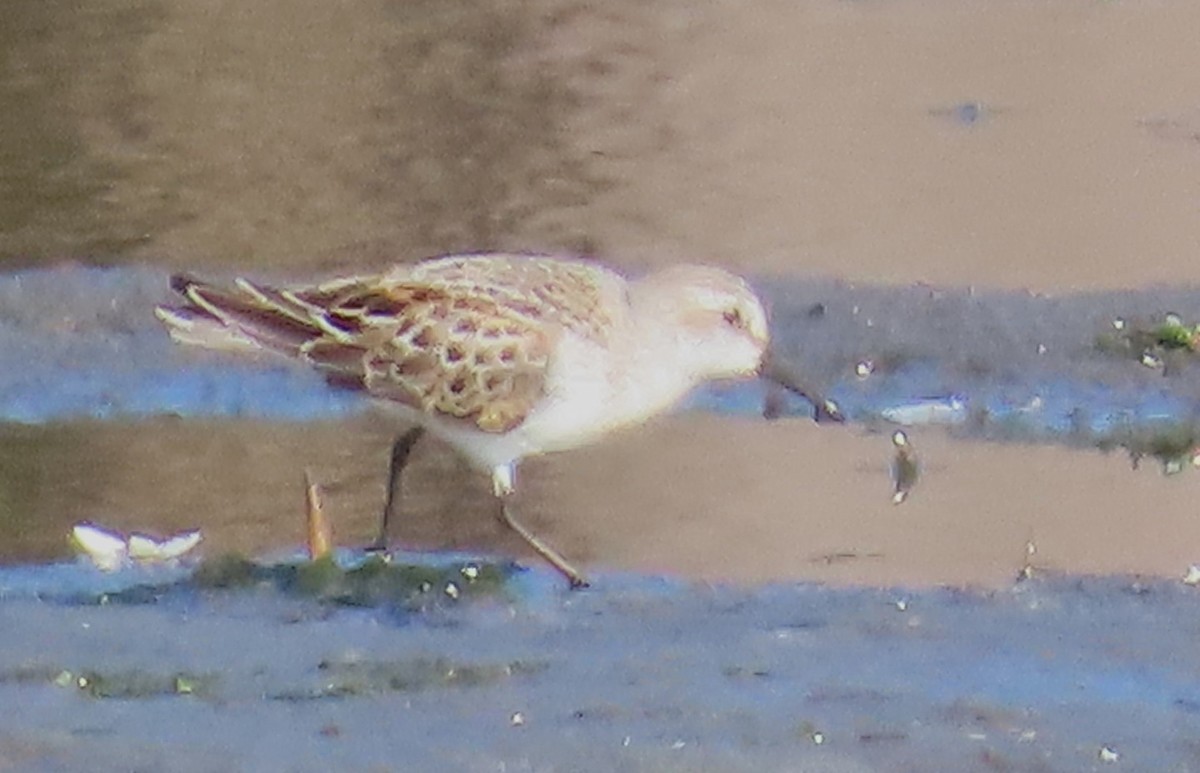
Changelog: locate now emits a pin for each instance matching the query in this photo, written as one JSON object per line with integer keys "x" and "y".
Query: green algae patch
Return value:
{"x": 1176, "y": 447}
{"x": 128, "y": 684}
{"x": 1163, "y": 344}
{"x": 137, "y": 684}
{"x": 357, "y": 678}
{"x": 376, "y": 581}
{"x": 134, "y": 684}
{"x": 372, "y": 582}
{"x": 320, "y": 578}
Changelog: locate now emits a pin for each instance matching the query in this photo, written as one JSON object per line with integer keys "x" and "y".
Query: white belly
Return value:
{"x": 588, "y": 395}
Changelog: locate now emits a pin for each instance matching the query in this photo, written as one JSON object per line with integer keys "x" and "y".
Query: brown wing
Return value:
{"x": 450, "y": 350}
{"x": 578, "y": 295}
{"x": 442, "y": 350}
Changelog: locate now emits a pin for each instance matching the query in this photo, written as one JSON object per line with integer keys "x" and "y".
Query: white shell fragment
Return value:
{"x": 143, "y": 548}
{"x": 110, "y": 551}
{"x": 1108, "y": 755}
{"x": 1192, "y": 577}
{"x": 106, "y": 550}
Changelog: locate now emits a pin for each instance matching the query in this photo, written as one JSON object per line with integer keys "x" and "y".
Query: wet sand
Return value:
{"x": 1048, "y": 146}
{"x": 746, "y": 502}
{"x": 1024, "y": 145}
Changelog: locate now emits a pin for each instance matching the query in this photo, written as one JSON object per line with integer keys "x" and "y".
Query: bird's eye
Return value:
{"x": 734, "y": 318}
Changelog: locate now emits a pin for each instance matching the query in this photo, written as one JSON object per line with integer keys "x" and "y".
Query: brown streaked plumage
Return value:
{"x": 503, "y": 356}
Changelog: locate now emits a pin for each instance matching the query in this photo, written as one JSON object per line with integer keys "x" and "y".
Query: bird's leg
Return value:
{"x": 503, "y": 486}
{"x": 573, "y": 575}
{"x": 400, "y": 452}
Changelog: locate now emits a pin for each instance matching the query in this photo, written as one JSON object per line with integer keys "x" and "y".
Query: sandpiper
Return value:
{"x": 503, "y": 356}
